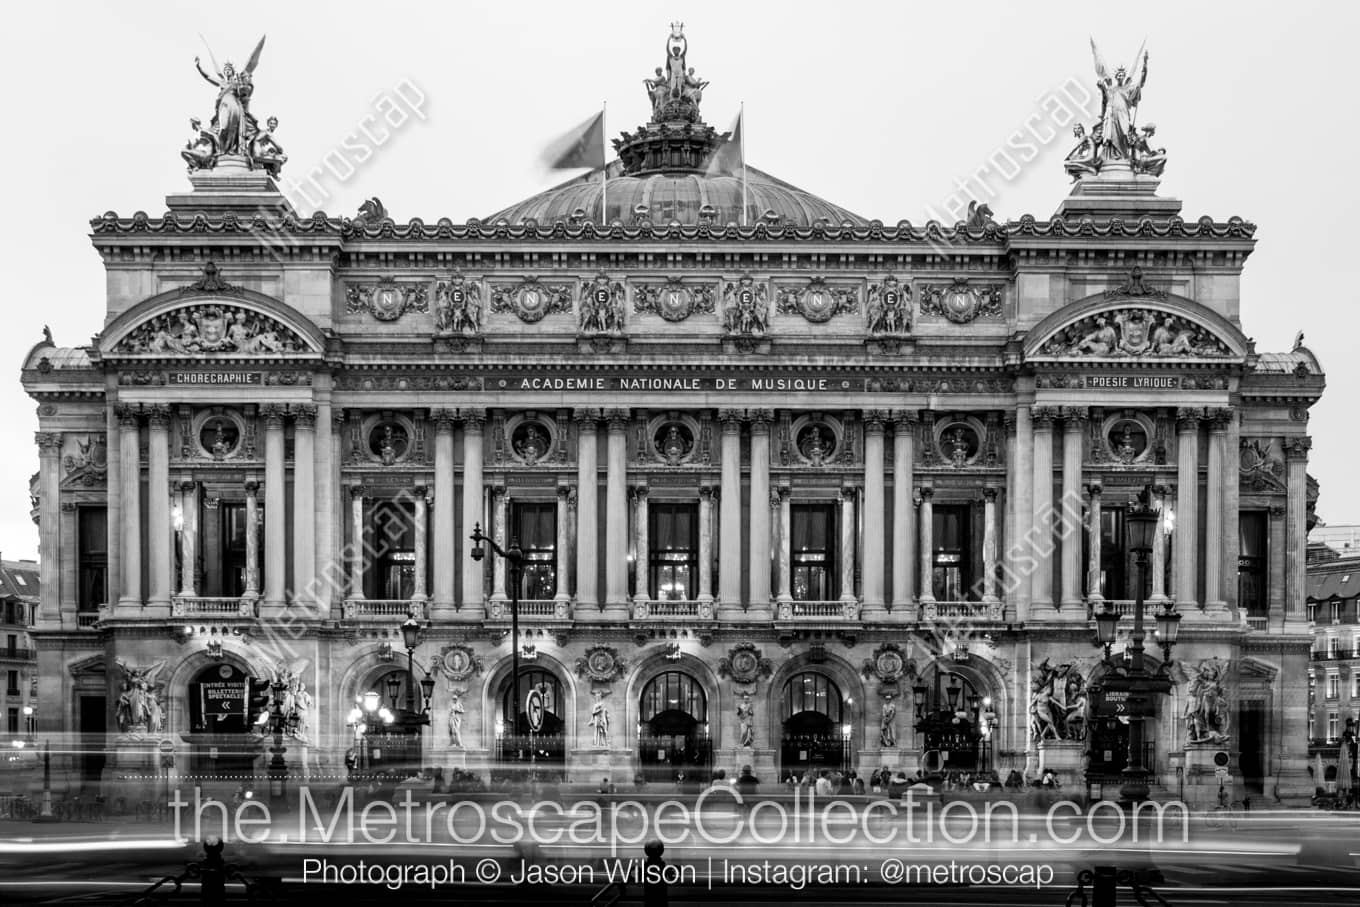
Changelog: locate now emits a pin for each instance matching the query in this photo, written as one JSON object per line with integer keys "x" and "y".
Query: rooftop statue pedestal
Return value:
{"x": 231, "y": 186}
{"x": 1117, "y": 191}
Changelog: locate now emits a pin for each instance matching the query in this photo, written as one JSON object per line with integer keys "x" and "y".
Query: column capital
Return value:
{"x": 1297, "y": 448}
{"x": 760, "y": 420}
{"x": 1094, "y": 489}
{"x": 357, "y": 492}
{"x": 1218, "y": 417}
{"x": 848, "y": 492}
{"x": 1074, "y": 417}
{"x": 304, "y": 415}
{"x": 252, "y": 486}
{"x": 443, "y": 419}
{"x": 784, "y": 492}
{"x": 273, "y": 415}
{"x": 188, "y": 486}
{"x": 925, "y": 493}
{"x": 338, "y": 417}
{"x": 586, "y": 418}
{"x": 127, "y": 415}
{"x": 565, "y": 490}
{"x": 730, "y": 419}
{"x": 1008, "y": 421}
{"x": 903, "y": 419}
{"x": 418, "y": 492}
{"x": 617, "y": 420}
{"x": 158, "y": 415}
{"x": 472, "y": 418}
{"x": 989, "y": 495}
{"x": 707, "y": 491}
{"x": 873, "y": 421}
{"x": 1044, "y": 417}
{"x": 49, "y": 443}
{"x": 1188, "y": 419}
{"x": 1162, "y": 490}
{"x": 638, "y": 492}
{"x": 1277, "y": 511}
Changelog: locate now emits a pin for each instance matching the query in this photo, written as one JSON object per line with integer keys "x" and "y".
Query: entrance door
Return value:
{"x": 812, "y": 710}
{"x": 93, "y": 726}
{"x": 673, "y": 740}
{"x": 1251, "y": 732}
{"x": 1108, "y": 748}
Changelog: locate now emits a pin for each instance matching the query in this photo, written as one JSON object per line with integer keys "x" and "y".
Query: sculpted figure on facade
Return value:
{"x": 745, "y": 308}
{"x": 1134, "y": 333}
{"x": 602, "y": 307}
{"x": 234, "y": 131}
{"x": 599, "y": 720}
{"x": 1206, "y": 704}
{"x": 456, "y": 712}
{"x": 212, "y": 328}
{"x": 458, "y": 307}
{"x": 1115, "y": 137}
{"x": 746, "y": 713}
{"x": 1058, "y": 700}
{"x": 139, "y": 707}
{"x": 201, "y": 151}
{"x": 887, "y": 725}
{"x": 888, "y": 308}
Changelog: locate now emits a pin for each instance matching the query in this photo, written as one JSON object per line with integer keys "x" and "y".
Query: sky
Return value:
{"x": 887, "y": 109}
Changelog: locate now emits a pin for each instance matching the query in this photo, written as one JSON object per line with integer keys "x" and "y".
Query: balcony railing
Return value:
{"x": 530, "y": 609}
{"x": 206, "y": 606}
{"x": 383, "y": 609}
{"x": 817, "y": 611}
{"x": 1261, "y": 623}
{"x": 673, "y": 610}
{"x": 944, "y": 610}
{"x": 86, "y": 620}
{"x": 18, "y": 653}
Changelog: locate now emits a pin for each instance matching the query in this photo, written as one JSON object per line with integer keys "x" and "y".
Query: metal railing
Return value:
{"x": 18, "y": 653}
{"x": 86, "y": 620}
{"x": 1258, "y": 623}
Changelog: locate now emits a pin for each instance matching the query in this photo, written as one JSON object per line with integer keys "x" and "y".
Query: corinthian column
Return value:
{"x": 304, "y": 504}
{"x": 783, "y": 591}
{"x": 500, "y": 532}
{"x": 473, "y": 605}
{"x": 705, "y": 543}
{"x": 562, "y": 556}
{"x": 1042, "y": 518}
{"x": 847, "y": 546}
{"x": 1019, "y": 549}
{"x": 1158, "y": 593}
{"x": 275, "y": 520}
{"x": 871, "y": 554}
{"x": 759, "y": 540}
{"x": 1074, "y": 424}
{"x": 641, "y": 544}
{"x": 729, "y": 519}
{"x": 252, "y": 592}
{"x": 1214, "y": 529}
{"x": 587, "y": 519}
{"x": 904, "y": 523}
{"x": 418, "y": 592}
{"x": 358, "y": 546}
{"x": 616, "y": 518}
{"x": 989, "y": 546}
{"x": 1093, "y": 594}
{"x": 161, "y": 566}
{"x": 188, "y": 538}
{"x": 1296, "y": 527}
{"x": 444, "y": 541}
{"x": 49, "y": 524}
{"x": 1187, "y": 510}
{"x": 927, "y": 521}
{"x": 130, "y": 455}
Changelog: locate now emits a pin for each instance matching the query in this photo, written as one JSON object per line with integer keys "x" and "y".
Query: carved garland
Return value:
{"x": 211, "y": 328}
{"x": 387, "y": 300}
{"x": 817, "y": 302}
{"x": 673, "y": 300}
{"x": 601, "y": 664}
{"x": 961, "y": 303}
{"x": 744, "y": 664}
{"x": 530, "y": 300}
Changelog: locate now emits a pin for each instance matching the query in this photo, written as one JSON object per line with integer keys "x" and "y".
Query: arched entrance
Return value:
{"x": 529, "y": 728}
{"x": 953, "y": 721}
{"x": 387, "y": 732}
{"x": 673, "y": 729}
{"x": 220, "y": 740}
{"x": 813, "y": 736}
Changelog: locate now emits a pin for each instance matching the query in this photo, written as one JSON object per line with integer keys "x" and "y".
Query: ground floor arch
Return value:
{"x": 674, "y": 744}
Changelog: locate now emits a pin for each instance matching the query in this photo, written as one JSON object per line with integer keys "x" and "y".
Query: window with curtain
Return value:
{"x": 93, "y": 554}
{"x": 535, "y": 527}
{"x": 952, "y": 576}
{"x": 813, "y": 552}
{"x": 1251, "y": 563}
{"x": 673, "y": 561}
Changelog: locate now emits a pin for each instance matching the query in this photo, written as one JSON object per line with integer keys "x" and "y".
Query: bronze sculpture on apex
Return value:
{"x": 233, "y": 135}
{"x": 1114, "y": 141}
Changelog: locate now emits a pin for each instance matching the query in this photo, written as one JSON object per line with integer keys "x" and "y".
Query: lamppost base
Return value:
{"x": 1135, "y": 787}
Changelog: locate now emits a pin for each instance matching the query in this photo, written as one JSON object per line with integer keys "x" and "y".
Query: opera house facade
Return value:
{"x": 771, "y": 484}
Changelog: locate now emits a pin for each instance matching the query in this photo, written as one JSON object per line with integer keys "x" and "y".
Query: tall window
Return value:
{"x": 673, "y": 561}
{"x": 952, "y": 576}
{"x": 12, "y": 721}
{"x": 1312, "y": 726}
{"x": 1333, "y": 686}
{"x": 1333, "y": 647}
{"x": 813, "y": 552}
{"x": 394, "y": 547}
{"x": 12, "y": 683}
{"x": 1333, "y": 726}
{"x": 1118, "y": 566}
{"x": 1251, "y": 562}
{"x": 233, "y": 549}
{"x": 1355, "y": 687}
{"x": 1312, "y": 612}
{"x": 93, "y": 554}
{"x": 1335, "y": 609}
{"x": 535, "y": 527}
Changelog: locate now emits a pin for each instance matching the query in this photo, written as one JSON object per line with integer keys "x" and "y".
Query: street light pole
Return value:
{"x": 515, "y": 559}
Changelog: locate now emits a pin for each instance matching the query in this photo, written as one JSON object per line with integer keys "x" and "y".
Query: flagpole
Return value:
{"x": 604, "y": 171}
{"x": 741, "y": 149}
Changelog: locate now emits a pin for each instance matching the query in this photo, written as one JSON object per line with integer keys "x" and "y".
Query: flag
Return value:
{"x": 581, "y": 147}
{"x": 730, "y": 157}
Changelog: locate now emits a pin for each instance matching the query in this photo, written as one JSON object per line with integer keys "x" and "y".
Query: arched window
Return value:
{"x": 812, "y": 692}
{"x": 513, "y": 718}
{"x": 674, "y": 691}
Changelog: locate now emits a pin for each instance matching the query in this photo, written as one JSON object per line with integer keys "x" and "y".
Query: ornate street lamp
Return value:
{"x": 1137, "y": 683}
{"x": 514, "y": 558}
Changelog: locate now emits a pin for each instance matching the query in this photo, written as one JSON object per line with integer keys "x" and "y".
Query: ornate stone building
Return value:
{"x": 792, "y": 488}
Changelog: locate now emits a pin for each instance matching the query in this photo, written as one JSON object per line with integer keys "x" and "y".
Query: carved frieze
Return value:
{"x": 530, "y": 299}
{"x": 211, "y": 328}
{"x": 744, "y": 664}
{"x": 818, "y": 301}
{"x": 1259, "y": 469}
{"x": 602, "y": 307}
{"x": 673, "y": 300}
{"x": 88, "y": 465}
{"x": 746, "y": 308}
{"x": 458, "y": 306}
{"x": 889, "y": 308}
{"x": 960, "y": 302}
{"x": 1134, "y": 332}
{"x": 387, "y": 300}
